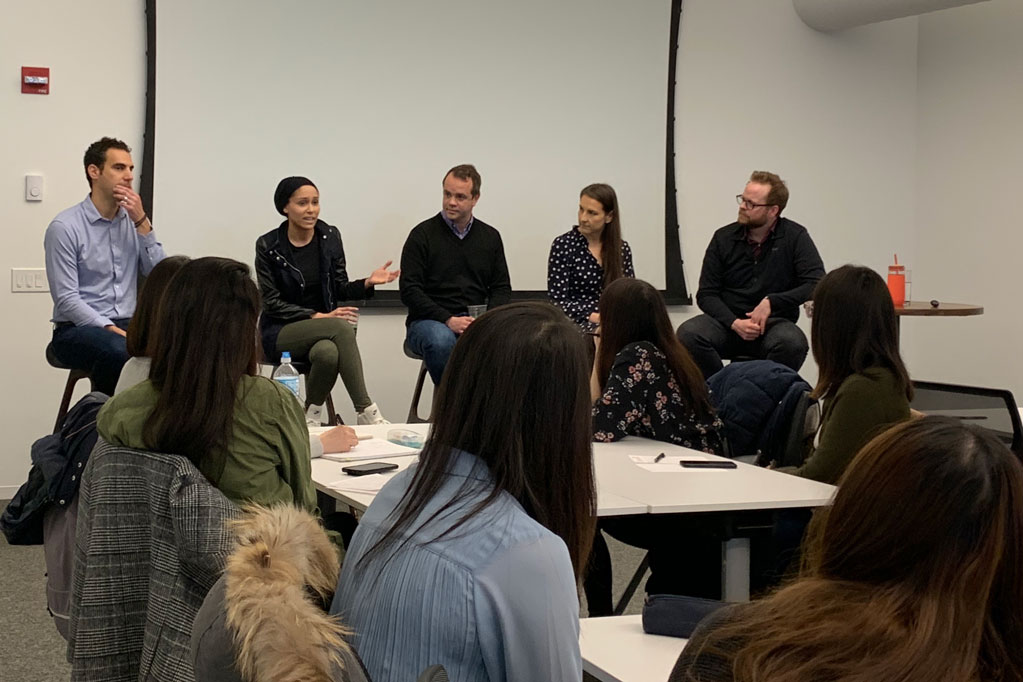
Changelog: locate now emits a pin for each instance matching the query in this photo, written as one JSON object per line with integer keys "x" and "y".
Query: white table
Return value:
{"x": 746, "y": 488}
{"x": 625, "y": 488}
{"x": 326, "y": 472}
{"x": 615, "y": 649}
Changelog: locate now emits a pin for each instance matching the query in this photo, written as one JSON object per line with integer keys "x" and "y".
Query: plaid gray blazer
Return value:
{"x": 151, "y": 541}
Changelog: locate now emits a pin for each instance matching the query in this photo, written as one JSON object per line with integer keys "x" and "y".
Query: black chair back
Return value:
{"x": 993, "y": 409}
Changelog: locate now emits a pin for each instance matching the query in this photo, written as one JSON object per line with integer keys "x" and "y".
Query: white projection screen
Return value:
{"x": 374, "y": 101}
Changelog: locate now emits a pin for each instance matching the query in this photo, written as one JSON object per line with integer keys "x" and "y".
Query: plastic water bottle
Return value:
{"x": 287, "y": 374}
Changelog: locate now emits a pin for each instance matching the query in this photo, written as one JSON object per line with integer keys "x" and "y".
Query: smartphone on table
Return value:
{"x": 369, "y": 468}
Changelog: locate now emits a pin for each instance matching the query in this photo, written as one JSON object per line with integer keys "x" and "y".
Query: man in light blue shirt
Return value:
{"x": 95, "y": 251}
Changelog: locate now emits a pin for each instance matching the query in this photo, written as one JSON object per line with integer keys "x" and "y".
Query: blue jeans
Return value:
{"x": 96, "y": 350}
{"x": 433, "y": 341}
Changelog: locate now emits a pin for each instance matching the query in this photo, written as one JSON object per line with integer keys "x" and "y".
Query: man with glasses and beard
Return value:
{"x": 756, "y": 273}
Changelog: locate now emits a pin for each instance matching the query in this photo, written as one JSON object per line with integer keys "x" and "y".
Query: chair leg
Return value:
{"x": 413, "y": 410}
{"x": 69, "y": 390}
{"x": 333, "y": 418}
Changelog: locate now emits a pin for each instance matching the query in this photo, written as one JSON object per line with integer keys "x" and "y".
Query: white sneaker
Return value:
{"x": 371, "y": 415}
{"x": 314, "y": 415}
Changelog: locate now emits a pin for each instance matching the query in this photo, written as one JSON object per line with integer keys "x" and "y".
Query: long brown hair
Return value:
{"x": 611, "y": 236}
{"x": 142, "y": 328}
{"x": 206, "y": 324}
{"x": 514, "y": 394}
{"x": 632, "y": 310}
{"x": 914, "y": 574}
{"x": 853, "y": 329}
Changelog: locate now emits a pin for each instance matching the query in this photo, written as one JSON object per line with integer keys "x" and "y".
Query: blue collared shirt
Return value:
{"x": 93, "y": 264}
{"x": 450, "y": 223}
{"x": 494, "y": 600}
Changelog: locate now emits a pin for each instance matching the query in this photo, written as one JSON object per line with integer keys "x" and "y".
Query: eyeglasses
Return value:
{"x": 747, "y": 204}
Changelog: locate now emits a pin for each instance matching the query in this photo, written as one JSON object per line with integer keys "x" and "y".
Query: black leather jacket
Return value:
{"x": 281, "y": 283}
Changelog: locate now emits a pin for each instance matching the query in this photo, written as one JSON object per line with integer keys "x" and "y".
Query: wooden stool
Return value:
{"x": 74, "y": 376}
{"x": 413, "y": 410}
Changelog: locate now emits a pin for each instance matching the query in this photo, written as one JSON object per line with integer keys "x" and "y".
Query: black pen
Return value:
{"x": 658, "y": 458}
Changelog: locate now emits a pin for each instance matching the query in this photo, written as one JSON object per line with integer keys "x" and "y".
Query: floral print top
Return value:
{"x": 575, "y": 279}
{"x": 641, "y": 398}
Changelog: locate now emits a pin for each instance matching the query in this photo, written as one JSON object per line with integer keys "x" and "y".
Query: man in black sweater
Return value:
{"x": 450, "y": 262}
{"x": 756, "y": 273}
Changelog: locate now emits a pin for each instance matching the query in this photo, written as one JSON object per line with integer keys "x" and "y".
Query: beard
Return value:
{"x": 752, "y": 223}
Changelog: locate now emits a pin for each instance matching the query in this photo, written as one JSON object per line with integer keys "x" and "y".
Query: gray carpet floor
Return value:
{"x": 31, "y": 650}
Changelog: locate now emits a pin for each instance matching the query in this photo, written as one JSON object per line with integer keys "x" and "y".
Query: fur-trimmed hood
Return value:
{"x": 261, "y": 621}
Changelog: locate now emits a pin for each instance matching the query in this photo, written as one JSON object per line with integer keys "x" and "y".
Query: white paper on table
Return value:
{"x": 370, "y": 483}
{"x": 670, "y": 462}
{"x": 371, "y": 448}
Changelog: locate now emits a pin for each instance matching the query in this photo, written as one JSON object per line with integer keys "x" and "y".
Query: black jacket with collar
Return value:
{"x": 281, "y": 282}
{"x": 732, "y": 282}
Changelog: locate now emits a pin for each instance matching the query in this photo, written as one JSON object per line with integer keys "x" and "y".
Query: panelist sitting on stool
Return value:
{"x": 450, "y": 262}
{"x": 756, "y": 273}
{"x": 300, "y": 266}
{"x": 95, "y": 251}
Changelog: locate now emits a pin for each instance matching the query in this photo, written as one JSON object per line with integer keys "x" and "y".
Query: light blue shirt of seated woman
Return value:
{"x": 493, "y": 600}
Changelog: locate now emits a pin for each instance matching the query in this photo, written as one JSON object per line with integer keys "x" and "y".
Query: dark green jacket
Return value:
{"x": 267, "y": 457}
{"x": 863, "y": 406}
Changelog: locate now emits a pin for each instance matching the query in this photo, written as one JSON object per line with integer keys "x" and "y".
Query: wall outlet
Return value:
{"x": 29, "y": 280}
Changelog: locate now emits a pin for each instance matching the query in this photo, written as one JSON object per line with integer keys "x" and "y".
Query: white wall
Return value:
{"x": 95, "y": 52}
{"x": 970, "y": 170}
{"x": 836, "y": 115}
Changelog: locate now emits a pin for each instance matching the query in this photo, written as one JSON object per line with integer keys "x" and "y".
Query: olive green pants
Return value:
{"x": 328, "y": 345}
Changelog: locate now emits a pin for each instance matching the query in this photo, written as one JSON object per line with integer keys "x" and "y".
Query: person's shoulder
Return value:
{"x": 269, "y": 239}
{"x": 142, "y": 392}
{"x": 566, "y": 238}
{"x": 640, "y": 350}
{"x": 699, "y": 662}
{"x": 65, "y": 221}
{"x": 260, "y": 393}
{"x": 325, "y": 228}
{"x": 727, "y": 232}
{"x": 791, "y": 227}
{"x": 484, "y": 228}
{"x": 865, "y": 384}
{"x": 125, "y": 407}
{"x": 427, "y": 225}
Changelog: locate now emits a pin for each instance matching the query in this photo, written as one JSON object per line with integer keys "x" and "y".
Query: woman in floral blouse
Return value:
{"x": 588, "y": 257}
{"x": 644, "y": 383}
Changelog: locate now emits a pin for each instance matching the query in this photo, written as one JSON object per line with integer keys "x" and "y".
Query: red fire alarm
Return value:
{"x": 35, "y": 80}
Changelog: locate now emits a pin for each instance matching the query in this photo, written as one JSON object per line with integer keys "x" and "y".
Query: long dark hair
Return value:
{"x": 632, "y": 310}
{"x": 207, "y": 329}
{"x": 853, "y": 329}
{"x": 142, "y": 328}
{"x": 611, "y": 236}
{"x": 514, "y": 394}
{"x": 914, "y": 573}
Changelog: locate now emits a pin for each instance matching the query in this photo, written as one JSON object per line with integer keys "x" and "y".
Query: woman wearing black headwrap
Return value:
{"x": 300, "y": 266}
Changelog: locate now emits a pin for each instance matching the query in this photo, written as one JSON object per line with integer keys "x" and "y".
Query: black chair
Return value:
{"x": 805, "y": 420}
{"x": 413, "y": 409}
{"x": 993, "y": 409}
{"x": 74, "y": 376}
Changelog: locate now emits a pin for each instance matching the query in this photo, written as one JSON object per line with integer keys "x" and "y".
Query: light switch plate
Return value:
{"x": 29, "y": 280}
{"x": 33, "y": 187}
